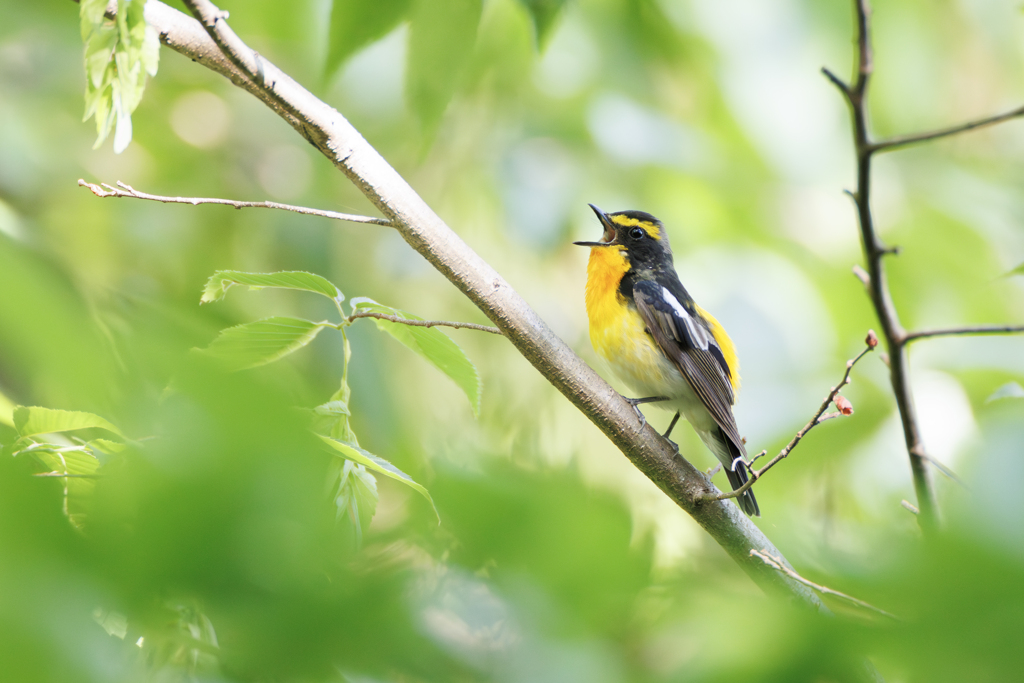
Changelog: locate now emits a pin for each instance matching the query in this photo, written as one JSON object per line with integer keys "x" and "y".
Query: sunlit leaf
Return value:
{"x": 376, "y": 464}
{"x": 31, "y": 420}
{"x": 221, "y": 281}
{"x": 441, "y": 39}
{"x": 357, "y": 23}
{"x": 119, "y": 55}
{"x": 432, "y": 344}
{"x": 63, "y": 460}
{"x": 263, "y": 341}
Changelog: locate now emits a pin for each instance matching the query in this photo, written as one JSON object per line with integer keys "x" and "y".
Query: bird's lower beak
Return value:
{"x": 608, "y": 238}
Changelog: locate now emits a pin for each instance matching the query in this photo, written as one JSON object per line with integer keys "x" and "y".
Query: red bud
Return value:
{"x": 872, "y": 339}
{"x": 843, "y": 404}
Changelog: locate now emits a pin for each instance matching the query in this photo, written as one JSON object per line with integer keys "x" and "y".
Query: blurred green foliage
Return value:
{"x": 209, "y": 544}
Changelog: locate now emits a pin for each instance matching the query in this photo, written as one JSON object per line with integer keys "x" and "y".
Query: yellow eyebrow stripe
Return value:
{"x": 625, "y": 221}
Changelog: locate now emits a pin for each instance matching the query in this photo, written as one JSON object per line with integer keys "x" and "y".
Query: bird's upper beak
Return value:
{"x": 608, "y": 238}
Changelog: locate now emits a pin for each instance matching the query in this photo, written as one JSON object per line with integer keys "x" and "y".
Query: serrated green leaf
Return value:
{"x": 432, "y": 344}
{"x": 357, "y": 23}
{"x": 263, "y": 341}
{"x": 114, "y": 623}
{"x": 90, "y": 16}
{"x": 32, "y": 420}
{"x": 378, "y": 465}
{"x": 106, "y": 446}
{"x": 221, "y": 281}
{"x": 332, "y": 408}
{"x": 62, "y": 460}
{"x": 442, "y": 34}
{"x": 544, "y": 13}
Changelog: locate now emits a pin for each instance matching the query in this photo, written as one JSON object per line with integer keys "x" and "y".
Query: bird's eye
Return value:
{"x": 636, "y": 233}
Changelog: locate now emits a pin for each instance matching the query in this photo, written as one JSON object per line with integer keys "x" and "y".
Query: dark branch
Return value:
{"x": 875, "y": 277}
{"x": 960, "y": 331}
{"x": 905, "y": 140}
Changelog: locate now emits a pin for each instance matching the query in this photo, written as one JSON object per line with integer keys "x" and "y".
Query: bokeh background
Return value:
{"x": 211, "y": 551}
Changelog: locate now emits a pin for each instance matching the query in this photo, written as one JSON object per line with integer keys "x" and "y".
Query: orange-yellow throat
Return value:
{"x": 618, "y": 334}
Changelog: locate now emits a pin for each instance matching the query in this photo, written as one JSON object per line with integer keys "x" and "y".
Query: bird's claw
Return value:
{"x": 635, "y": 402}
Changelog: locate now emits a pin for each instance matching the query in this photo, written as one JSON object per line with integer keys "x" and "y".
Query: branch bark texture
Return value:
{"x": 327, "y": 130}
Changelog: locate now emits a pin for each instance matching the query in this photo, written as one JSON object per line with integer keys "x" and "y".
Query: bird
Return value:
{"x": 659, "y": 342}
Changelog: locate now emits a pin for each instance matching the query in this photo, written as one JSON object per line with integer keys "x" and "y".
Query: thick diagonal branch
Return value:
{"x": 329, "y": 131}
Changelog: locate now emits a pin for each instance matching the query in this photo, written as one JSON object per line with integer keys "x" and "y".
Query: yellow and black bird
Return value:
{"x": 659, "y": 341}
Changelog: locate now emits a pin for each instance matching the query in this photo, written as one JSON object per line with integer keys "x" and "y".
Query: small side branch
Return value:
{"x": 424, "y": 323}
{"x": 125, "y": 190}
{"x": 905, "y": 140}
{"x": 820, "y": 416}
{"x": 961, "y": 331}
{"x": 777, "y": 564}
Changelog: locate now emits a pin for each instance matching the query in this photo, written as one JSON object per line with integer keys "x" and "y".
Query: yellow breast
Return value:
{"x": 616, "y": 329}
{"x": 619, "y": 335}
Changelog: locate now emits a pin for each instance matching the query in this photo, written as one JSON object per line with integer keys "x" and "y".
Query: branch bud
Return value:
{"x": 872, "y": 339}
{"x": 843, "y": 404}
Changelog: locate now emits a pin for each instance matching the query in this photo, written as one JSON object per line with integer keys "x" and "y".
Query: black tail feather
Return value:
{"x": 738, "y": 478}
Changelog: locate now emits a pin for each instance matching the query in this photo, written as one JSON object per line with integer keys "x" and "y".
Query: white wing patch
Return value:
{"x": 697, "y": 332}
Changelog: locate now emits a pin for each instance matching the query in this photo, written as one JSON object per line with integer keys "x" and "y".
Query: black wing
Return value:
{"x": 689, "y": 343}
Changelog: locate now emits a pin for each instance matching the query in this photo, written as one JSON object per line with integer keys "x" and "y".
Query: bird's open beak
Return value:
{"x": 608, "y": 238}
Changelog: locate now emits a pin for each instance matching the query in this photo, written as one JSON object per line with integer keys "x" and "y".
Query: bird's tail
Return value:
{"x": 730, "y": 454}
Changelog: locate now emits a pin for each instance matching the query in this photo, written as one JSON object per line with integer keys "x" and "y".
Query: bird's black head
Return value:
{"x": 639, "y": 234}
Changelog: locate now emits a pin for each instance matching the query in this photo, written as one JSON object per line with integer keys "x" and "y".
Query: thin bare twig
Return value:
{"x": 777, "y": 564}
{"x": 956, "y": 331}
{"x": 424, "y": 323}
{"x": 818, "y": 418}
{"x": 905, "y": 140}
{"x": 125, "y": 190}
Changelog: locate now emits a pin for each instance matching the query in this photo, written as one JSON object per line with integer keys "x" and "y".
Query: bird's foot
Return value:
{"x": 637, "y": 402}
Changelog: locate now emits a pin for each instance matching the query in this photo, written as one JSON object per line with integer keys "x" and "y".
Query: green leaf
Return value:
{"x": 263, "y": 341}
{"x": 544, "y": 13}
{"x": 118, "y": 57}
{"x": 357, "y": 497}
{"x": 32, "y": 420}
{"x": 433, "y": 345}
{"x": 63, "y": 460}
{"x": 6, "y": 411}
{"x": 441, "y": 39}
{"x": 378, "y": 465}
{"x": 221, "y": 281}
{"x": 357, "y": 23}
{"x": 332, "y": 409}
{"x": 106, "y": 446}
